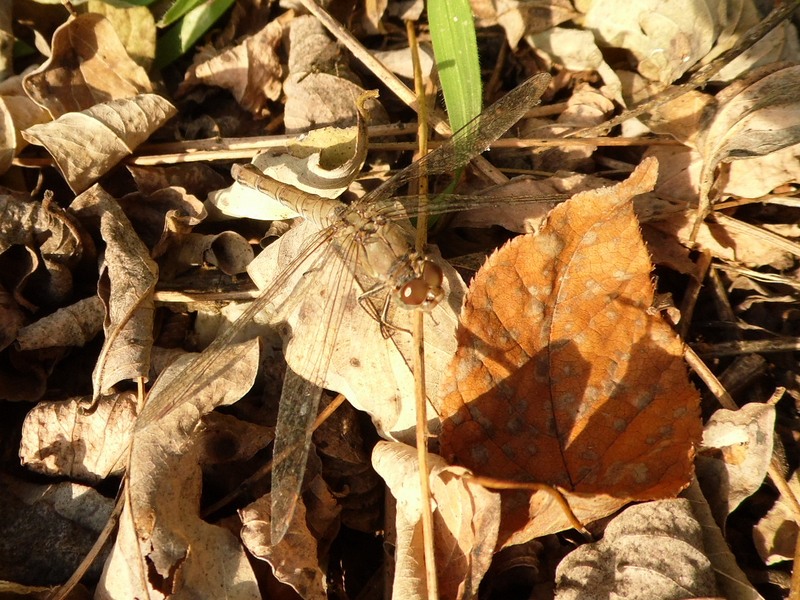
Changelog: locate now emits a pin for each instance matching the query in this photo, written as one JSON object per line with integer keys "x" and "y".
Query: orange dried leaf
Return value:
{"x": 562, "y": 376}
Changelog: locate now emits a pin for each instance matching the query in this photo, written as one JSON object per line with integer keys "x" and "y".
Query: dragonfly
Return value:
{"x": 368, "y": 238}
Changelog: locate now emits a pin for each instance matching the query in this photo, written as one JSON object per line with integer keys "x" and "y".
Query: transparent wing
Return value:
{"x": 472, "y": 139}
{"x": 301, "y": 394}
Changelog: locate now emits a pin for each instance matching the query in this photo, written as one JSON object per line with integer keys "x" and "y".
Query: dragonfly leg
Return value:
{"x": 387, "y": 327}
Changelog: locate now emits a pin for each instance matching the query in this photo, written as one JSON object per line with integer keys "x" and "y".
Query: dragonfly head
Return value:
{"x": 424, "y": 290}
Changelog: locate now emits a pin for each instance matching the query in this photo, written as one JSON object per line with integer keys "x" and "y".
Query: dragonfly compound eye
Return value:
{"x": 426, "y": 290}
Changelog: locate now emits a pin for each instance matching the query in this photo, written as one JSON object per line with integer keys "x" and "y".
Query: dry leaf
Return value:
{"x": 163, "y": 546}
{"x": 295, "y": 559}
{"x": 73, "y": 325}
{"x": 135, "y": 27}
{"x": 251, "y": 70}
{"x": 466, "y": 520}
{"x": 87, "y": 144}
{"x": 52, "y": 240}
{"x": 562, "y": 375}
{"x": 17, "y": 112}
{"x": 128, "y": 278}
{"x": 652, "y": 550}
{"x": 733, "y": 459}
{"x": 68, "y": 439}
{"x": 665, "y": 38}
{"x": 49, "y": 530}
{"x": 755, "y": 117}
{"x": 775, "y": 535}
{"x": 521, "y": 17}
{"x": 89, "y": 65}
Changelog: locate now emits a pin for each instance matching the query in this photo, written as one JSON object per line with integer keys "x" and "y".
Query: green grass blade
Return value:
{"x": 456, "y": 50}
{"x": 182, "y": 36}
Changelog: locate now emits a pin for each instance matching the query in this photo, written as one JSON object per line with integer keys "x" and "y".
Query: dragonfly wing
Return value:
{"x": 472, "y": 139}
{"x": 327, "y": 286}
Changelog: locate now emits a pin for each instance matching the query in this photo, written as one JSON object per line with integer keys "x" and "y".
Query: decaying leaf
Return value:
{"x": 51, "y": 239}
{"x": 775, "y": 535}
{"x": 251, "y": 70}
{"x": 294, "y": 559}
{"x": 466, "y": 520}
{"x": 17, "y": 112}
{"x": 734, "y": 457}
{"x": 562, "y": 376}
{"x": 128, "y": 279}
{"x": 70, "y": 439}
{"x": 87, "y": 144}
{"x": 135, "y": 27}
{"x": 756, "y": 116}
{"x": 163, "y": 546}
{"x": 54, "y": 527}
{"x": 88, "y": 66}
{"x": 520, "y": 18}
{"x": 73, "y": 325}
{"x": 652, "y": 550}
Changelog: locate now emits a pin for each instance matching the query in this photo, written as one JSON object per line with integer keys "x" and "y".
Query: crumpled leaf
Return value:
{"x": 733, "y": 459}
{"x": 17, "y": 112}
{"x": 251, "y": 70}
{"x": 562, "y": 376}
{"x": 88, "y": 65}
{"x": 652, "y": 550}
{"x": 756, "y": 116}
{"x": 135, "y": 27}
{"x": 86, "y": 145}
{"x": 294, "y": 559}
{"x": 73, "y": 325}
{"x": 66, "y": 439}
{"x": 521, "y": 17}
{"x": 466, "y": 519}
{"x": 228, "y": 251}
{"x": 320, "y": 89}
{"x": 775, "y": 535}
{"x": 127, "y": 282}
{"x": 52, "y": 240}
{"x": 666, "y": 38}
{"x": 162, "y": 541}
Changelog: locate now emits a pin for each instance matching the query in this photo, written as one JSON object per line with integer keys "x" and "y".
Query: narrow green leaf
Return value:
{"x": 182, "y": 36}
{"x": 178, "y": 9}
{"x": 456, "y": 50}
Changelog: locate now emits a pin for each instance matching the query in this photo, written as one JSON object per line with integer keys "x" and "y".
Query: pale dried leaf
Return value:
{"x": 76, "y": 439}
{"x": 251, "y": 71}
{"x": 735, "y": 455}
{"x": 775, "y": 535}
{"x": 135, "y": 27}
{"x": 89, "y": 65}
{"x": 466, "y": 521}
{"x": 86, "y": 145}
{"x": 652, "y": 550}
{"x": 519, "y": 18}
{"x": 73, "y": 325}
{"x": 160, "y": 529}
{"x": 17, "y": 112}
{"x": 131, "y": 277}
{"x": 754, "y": 117}
{"x": 666, "y": 38}
{"x": 294, "y": 559}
